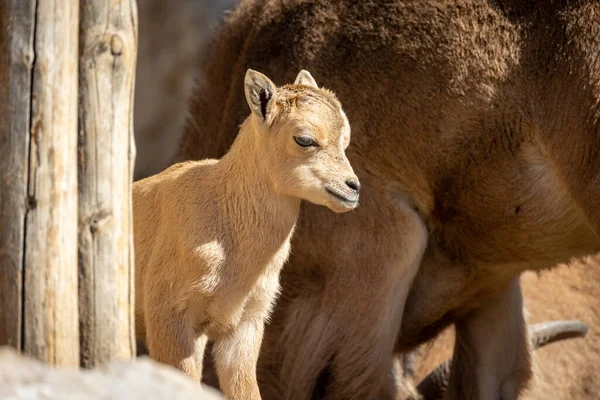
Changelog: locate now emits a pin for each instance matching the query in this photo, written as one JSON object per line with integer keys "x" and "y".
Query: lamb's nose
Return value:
{"x": 353, "y": 184}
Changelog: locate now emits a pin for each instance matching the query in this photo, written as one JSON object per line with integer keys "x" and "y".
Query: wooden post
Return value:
{"x": 38, "y": 150}
{"x": 14, "y": 126}
{"x": 108, "y": 50}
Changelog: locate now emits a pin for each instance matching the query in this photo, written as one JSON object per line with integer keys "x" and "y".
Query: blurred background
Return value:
{"x": 172, "y": 38}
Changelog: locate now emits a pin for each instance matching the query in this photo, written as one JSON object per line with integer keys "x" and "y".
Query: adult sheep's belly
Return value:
{"x": 491, "y": 223}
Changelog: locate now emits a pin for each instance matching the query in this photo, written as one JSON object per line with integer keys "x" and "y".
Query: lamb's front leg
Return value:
{"x": 236, "y": 355}
{"x": 170, "y": 339}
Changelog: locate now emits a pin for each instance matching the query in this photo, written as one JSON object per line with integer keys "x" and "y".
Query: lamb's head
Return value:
{"x": 303, "y": 133}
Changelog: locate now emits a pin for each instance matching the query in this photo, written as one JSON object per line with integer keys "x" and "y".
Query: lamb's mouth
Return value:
{"x": 339, "y": 196}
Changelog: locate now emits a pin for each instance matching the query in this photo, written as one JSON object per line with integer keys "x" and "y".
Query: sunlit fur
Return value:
{"x": 211, "y": 236}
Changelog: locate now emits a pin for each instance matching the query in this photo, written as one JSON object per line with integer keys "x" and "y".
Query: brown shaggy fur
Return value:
{"x": 211, "y": 236}
{"x": 482, "y": 116}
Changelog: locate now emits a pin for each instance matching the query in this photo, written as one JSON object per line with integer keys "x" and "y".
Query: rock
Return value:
{"x": 22, "y": 378}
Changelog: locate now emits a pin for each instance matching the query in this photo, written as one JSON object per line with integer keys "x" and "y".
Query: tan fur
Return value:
{"x": 211, "y": 236}
{"x": 482, "y": 117}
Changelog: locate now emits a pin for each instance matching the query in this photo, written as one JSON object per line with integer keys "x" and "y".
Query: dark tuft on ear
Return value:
{"x": 260, "y": 92}
{"x": 265, "y": 97}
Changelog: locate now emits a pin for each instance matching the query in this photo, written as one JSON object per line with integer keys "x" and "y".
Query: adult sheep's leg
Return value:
{"x": 491, "y": 352}
{"x": 334, "y": 329}
{"x": 199, "y": 350}
{"x": 399, "y": 385}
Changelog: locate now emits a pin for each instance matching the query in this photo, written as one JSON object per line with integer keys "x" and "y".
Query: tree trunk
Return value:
{"x": 108, "y": 49}
{"x": 38, "y": 207}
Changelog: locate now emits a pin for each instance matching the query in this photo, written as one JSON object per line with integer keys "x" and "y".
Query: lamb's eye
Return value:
{"x": 305, "y": 141}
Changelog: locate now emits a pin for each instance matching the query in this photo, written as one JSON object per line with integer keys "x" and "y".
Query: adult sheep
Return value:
{"x": 476, "y": 139}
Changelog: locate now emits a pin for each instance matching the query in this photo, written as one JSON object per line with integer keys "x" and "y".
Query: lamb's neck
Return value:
{"x": 250, "y": 199}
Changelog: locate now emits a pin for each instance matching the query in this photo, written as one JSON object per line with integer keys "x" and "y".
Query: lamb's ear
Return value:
{"x": 305, "y": 78}
{"x": 260, "y": 92}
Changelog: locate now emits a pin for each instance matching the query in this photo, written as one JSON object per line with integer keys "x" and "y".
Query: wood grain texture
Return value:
{"x": 16, "y": 49}
{"x": 50, "y": 313}
{"x": 108, "y": 49}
